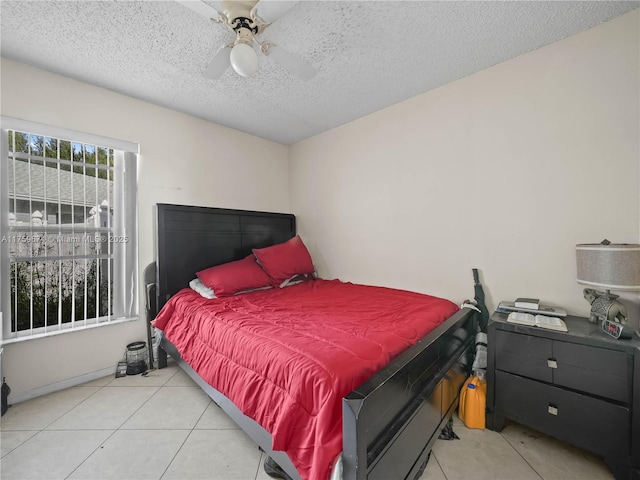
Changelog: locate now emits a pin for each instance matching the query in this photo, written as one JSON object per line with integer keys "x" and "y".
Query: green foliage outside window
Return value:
{"x": 46, "y": 290}
{"x": 52, "y": 148}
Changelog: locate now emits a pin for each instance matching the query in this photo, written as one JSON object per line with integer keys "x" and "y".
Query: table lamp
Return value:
{"x": 608, "y": 266}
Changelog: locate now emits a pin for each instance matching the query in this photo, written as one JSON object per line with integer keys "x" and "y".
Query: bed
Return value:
{"x": 390, "y": 419}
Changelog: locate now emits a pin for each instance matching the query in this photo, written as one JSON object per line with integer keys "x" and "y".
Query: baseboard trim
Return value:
{"x": 61, "y": 385}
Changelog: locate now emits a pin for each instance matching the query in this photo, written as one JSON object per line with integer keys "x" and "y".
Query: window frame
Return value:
{"x": 125, "y": 266}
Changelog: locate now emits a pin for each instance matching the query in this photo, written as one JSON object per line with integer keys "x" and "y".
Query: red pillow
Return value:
{"x": 285, "y": 260}
{"x": 233, "y": 277}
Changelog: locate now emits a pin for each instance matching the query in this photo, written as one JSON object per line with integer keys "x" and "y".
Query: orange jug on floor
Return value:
{"x": 473, "y": 398}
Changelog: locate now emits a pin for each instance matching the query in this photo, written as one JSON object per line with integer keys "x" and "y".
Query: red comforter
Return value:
{"x": 286, "y": 357}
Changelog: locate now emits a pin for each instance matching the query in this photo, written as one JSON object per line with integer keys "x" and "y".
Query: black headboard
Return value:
{"x": 191, "y": 239}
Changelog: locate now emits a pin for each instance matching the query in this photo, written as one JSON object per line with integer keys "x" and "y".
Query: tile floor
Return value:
{"x": 111, "y": 429}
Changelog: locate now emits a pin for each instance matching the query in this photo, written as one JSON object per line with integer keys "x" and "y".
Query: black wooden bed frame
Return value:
{"x": 392, "y": 420}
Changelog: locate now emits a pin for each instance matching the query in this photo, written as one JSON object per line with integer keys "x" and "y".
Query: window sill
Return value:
{"x": 63, "y": 331}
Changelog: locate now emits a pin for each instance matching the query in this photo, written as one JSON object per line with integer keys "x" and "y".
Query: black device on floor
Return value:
{"x": 121, "y": 369}
{"x": 5, "y": 395}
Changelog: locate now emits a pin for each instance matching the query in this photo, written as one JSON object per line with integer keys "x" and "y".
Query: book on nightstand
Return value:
{"x": 530, "y": 303}
{"x": 506, "y": 307}
{"x": 542, "y": 321}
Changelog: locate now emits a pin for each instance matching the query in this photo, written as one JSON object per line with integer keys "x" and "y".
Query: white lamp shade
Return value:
{"x": 612, "y": 267}
{"x": 244, "y": 59}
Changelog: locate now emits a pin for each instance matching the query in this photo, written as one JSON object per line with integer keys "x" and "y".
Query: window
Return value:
{"x": 68, "y": 230}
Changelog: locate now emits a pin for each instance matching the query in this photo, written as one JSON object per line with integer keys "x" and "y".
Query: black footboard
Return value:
{"x": 392, "y": 420}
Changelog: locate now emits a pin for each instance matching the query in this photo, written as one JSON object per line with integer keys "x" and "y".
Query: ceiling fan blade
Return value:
{"x": 221, "y": 61}
{"x": 291, "y": 62}
{"x": 271, "y": 10}
{"x": 200, "y": 7}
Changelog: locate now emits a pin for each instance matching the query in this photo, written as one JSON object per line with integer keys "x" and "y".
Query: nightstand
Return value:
{"x": 581, "y": 386}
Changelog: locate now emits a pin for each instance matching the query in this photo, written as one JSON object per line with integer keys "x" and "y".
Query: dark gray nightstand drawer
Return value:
{"x": 579, "y": 419}
{"x": 584, "y": 368}
{"x": 524, "y": 355}
{"x": 594, "y": 370}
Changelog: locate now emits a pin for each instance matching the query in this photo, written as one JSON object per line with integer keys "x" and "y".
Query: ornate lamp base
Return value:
{"x": 605, "y": 306}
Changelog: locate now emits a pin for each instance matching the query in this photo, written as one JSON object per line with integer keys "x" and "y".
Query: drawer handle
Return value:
{"x": 552, "y": 410}
{"x": 552, "y": 363}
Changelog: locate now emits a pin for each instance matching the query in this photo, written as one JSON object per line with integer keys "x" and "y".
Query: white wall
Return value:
{"x": 183, "y": 160}
{"x": 505, "y": 170}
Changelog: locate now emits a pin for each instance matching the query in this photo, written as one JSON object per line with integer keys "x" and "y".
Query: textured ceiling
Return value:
{"x": 368, "y": 54}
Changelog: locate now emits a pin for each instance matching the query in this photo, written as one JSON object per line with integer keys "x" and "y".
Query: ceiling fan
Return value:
{"x": 247, "y": 19}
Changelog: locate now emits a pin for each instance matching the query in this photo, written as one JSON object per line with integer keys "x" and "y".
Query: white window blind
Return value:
{"x": 68, "y": 241}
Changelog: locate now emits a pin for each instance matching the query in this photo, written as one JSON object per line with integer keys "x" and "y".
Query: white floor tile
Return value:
{"x": 107, "y": 409}
{"x": 39, "y": 412}
{"x": 481, "y": 455}
{"x": 262, "y": 475}
{"x": 181, "y": 379}
{"x": 554, "y": 459}
{"x": 164, "y": 426}
{"x": 171, "y": 408}
{"x": 215, "y": 455}
{"x": 433, "y": 470}
{"x": 11, "y": 440}
{"x": 51, "y": 455}
{"x": 132, "y": 454}
{"x": 456, "y": 420}
{"x": 153, "y": 378}
{"x": 215, "y": 418}
{"x": 99, "y": 382}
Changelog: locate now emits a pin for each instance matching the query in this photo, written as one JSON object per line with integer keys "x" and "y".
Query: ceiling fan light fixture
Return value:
{"x": 244, "y": 59}
{"x": 248, "y": 18}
